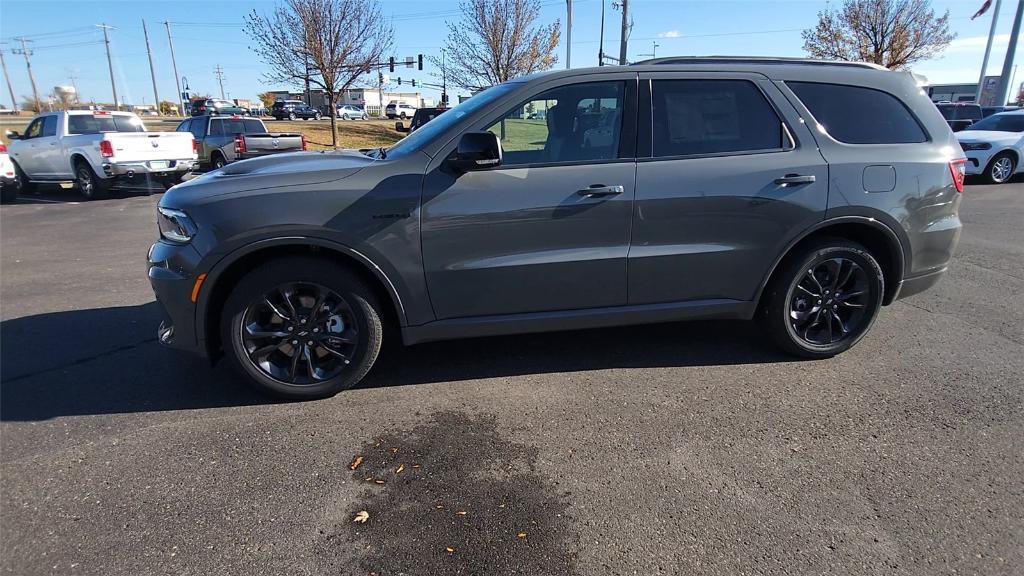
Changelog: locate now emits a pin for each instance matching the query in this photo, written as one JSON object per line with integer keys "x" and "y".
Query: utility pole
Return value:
{"x": 152, "y": 71}
{"x": 380, "y": 92}
{"x": 654, "y": 50}
{"x": 988, "y": 50}
{"x": 600, "y": 48}
{"x": 624, "y": 39}
{"x": 28, "y": 64}
{"x": 1011, "y": 51}
{"x": 568, "y": 34}
{"x": 305, "y": 63}
{"x": 174, "y": 63}
{"x": 14, "y": 101}
{"x": 219, "y": 73}
{"x": 110, "y": 64}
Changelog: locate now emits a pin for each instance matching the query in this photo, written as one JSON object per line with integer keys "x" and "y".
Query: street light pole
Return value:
{"x": 568, "y": 34}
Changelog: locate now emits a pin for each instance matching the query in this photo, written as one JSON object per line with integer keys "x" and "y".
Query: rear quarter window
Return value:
{"x": 856, "y": 115}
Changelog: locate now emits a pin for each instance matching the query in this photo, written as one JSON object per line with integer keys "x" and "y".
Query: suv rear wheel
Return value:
{"x": 824, "y": 299}
{"x": 302, "y": 328}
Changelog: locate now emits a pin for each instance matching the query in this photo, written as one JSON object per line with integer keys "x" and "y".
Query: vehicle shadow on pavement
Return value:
{"x": 107, "y": 361}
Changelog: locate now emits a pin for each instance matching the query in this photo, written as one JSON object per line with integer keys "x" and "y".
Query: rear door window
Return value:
{"x": 198, "y": 128}
{"x": 253, "y": 126}
{"x": 216, "y": 127}
{"x": 700, "y": 117}
{"x": 856, "y": 115}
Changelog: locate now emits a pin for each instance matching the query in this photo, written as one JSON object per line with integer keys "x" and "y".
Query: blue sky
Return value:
{"x": 209, "y": 33}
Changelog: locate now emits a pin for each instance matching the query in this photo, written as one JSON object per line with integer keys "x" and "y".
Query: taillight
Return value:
{"x": 195, "y": 146}
{"x": 958, "y": 169}
{"x": 106, "y": 148}
{"x": 303, "y": 141}
{"x": 239, "y": 144}
{"x": 202, "y": 108}
{"x": 3, "y": 148}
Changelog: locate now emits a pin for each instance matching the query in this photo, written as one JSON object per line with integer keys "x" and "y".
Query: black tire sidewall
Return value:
{"x": 776, "y": 313}
{"x": 991, "y": 164}
{"x": 99, "y": 187}
{"x": 361, "y": 300}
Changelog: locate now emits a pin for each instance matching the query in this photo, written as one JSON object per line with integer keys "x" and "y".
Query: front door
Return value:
{"x": 727, "y": 175}
{"x": 548, "y": 229}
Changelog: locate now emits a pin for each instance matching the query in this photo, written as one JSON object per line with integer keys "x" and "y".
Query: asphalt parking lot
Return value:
{"x": 675, "y": 449}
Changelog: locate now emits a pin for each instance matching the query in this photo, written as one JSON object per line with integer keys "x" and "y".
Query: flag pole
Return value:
{"x": 988, "y": 50}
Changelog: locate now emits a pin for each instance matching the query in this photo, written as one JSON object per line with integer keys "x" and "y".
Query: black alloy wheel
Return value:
{"x": 302, "y": 328}
{"x": 824, "y": 299}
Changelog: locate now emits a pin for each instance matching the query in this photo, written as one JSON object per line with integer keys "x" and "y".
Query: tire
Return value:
{"x": 8, "y": 193}
{"x": 1000, "y": 168}
{"x": 316, "y": 116}
{"x": 291, "y": 116}
{"x": 24, "y": 186}
{"x": 365, "y": 117}
{"x": 402, "y": 115}
{"x": 345, "y": 117}
{"x": 90, "y": 186}
{"x": 799, "y": 320}
{"x": 279, "y": 372}
{"x": 217, "y": 161}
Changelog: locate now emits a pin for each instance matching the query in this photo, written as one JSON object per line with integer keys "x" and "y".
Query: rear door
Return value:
{"x": 48, "y": 151}
{"x": 727, "y": 175}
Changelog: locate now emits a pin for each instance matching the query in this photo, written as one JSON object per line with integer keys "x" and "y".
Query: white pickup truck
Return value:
{"x": 96, "y": 149}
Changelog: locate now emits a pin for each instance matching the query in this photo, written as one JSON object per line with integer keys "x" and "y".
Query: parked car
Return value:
{"x": 8, "y": 180}
{"x": 421, "y": 117}
{"x": 987, "y": 111}
{"x": 96, "y": 149}
{"x": 741, "y": 204}
{"x": 960, "y": 115}
{"x": 293, "y": 110}
{"x": 222, "y": 140}
{"x": 214, "y": 107}
{"x": 350, "y": 112}
{"x": 994, "y": 146}
{"x": 399, "y": 110}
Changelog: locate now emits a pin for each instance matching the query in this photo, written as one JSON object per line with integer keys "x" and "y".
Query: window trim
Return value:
{"x": 787, "y": 131}
{"x": 628, "y": 93}
{"x": 819, "y": 128}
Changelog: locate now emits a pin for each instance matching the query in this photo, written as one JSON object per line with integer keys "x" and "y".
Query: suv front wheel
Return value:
{"x": 302, "y": 328}
{"x": 824, "y": 299}
{"x": 1001, "y": 168}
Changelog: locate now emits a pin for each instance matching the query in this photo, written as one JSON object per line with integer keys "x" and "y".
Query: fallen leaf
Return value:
{"x": 450, "y": 549}
{"x": 361, "y": 516}
{"x": 501, "y": 505}
{"x": 394, "y": 450}
{"x": 461, "y": 512}
{"x": 400, "y": 468}
{"x": 368, "y": 478}
{"x": 379, "y": 481}
{"x": 521, "y": 535}
{"x": 355, "y": 463}
{"x": 439, "y": 507}
{"x": 415, "y": 465}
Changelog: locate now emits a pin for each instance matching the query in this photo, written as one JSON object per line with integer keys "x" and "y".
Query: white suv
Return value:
{"x": 399, "y": 110}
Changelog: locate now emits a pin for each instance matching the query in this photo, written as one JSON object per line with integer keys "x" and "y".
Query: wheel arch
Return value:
{"x": 230, "y": 269}
{"x": 883, "y": 243}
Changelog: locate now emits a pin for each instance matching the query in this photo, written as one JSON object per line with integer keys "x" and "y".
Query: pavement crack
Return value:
{"x": 81, "y": 361}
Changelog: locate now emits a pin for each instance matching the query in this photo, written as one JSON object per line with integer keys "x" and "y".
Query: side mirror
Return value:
{"x": 12, "y": 134}
{"x": 477, "y": 151}
{"x": 399, "y": 127}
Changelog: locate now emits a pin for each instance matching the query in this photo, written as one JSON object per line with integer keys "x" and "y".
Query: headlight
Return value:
{"x": 175, "y": 225}
{"x": 975, "y": 145}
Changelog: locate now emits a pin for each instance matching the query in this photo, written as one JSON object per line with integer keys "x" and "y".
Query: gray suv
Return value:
{"x": 803, "y": 194}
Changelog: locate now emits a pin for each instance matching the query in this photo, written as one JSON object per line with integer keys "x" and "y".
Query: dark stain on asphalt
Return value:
{"x": 450, "y": 496}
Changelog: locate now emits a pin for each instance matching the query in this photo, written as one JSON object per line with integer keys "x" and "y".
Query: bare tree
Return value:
{"x": 328, "y": 43}
{"x": 893, "y": 33}
{"x": 497, "y": 40}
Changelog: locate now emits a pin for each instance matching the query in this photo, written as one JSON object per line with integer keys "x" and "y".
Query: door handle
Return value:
{"x": 794, "y": 179}
{"x": 599, "y": 190}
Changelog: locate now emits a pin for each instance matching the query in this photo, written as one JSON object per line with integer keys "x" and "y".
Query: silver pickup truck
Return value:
{"x": 96, "y": 149}
{"x": 224, "y": 139}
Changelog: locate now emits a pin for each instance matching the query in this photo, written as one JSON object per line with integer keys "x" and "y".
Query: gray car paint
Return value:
{"x": 513, "y": 250}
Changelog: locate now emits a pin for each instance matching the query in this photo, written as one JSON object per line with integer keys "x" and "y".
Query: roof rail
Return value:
{"x": 753, "y": 60}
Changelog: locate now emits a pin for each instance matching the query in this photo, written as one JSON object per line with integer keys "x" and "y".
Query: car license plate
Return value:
{"x": 158, "y": 164}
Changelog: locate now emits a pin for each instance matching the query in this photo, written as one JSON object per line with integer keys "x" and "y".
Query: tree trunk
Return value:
{"x": 331, "y": 109}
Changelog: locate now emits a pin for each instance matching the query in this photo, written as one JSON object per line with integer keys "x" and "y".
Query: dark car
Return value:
{"x": 960, "y": 115}
{"x": 293, "y": 110}
{"x": 677, "y": 188}
{"x": 987, "y": 111}
{"x": 421, "y": 117}
{"x": 222, "y": 140}
{"x": 214, "y": 107}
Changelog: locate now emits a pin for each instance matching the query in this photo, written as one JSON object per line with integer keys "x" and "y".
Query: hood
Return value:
{"x": 987, "y": 136}
{"x": 275, "y": 171}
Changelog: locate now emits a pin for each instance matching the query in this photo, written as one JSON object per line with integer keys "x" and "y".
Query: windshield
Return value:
{"x": 442, "y": 123}
{"x": 84, "y": 124}
{"x": 1000, "y": 123}
{"x": 960, "y": 112}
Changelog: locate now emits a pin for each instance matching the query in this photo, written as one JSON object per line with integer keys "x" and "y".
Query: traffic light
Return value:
{"x": 399, "y": 80}
{"x": 391, "y": 64}
{"x": 414, "y": 83}
{"x": 420, "y": 60}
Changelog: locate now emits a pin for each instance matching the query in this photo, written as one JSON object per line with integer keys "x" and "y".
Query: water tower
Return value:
{"x": 67, "y": 96}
